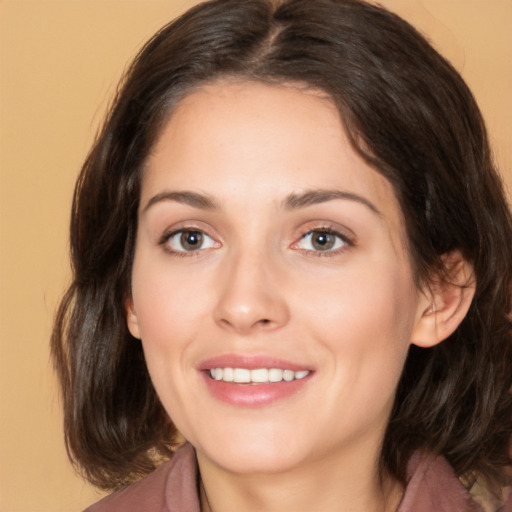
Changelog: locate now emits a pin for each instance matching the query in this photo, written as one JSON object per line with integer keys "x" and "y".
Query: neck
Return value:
{"x": 354, "y": 486}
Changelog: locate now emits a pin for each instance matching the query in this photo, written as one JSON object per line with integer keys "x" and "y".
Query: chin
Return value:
{"x": 255, "y": 461}
{"x": 254, "y": 451}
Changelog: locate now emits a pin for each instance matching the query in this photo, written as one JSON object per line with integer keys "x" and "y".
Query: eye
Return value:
{"x": 322, "y": 240}
{"x": 187, "y": 240}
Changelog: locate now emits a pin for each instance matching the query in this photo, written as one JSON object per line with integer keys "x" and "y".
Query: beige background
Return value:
{"x": 60, "y": 61}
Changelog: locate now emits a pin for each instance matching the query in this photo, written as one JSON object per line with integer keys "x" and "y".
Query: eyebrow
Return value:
{"x": 317, "y": 196}
{"x": 291, "y": 202}
{"x": 202, "y": 201}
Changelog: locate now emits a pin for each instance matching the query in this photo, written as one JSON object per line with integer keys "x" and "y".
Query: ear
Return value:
{"x": 131, "y": 318}
{"x": 445, "y": 302}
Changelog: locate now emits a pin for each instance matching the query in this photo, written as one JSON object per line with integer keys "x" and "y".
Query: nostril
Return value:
{"x": 264, "y": 323}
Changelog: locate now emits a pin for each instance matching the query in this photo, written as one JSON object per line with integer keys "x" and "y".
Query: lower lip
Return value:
{"x": 253, "y": 395}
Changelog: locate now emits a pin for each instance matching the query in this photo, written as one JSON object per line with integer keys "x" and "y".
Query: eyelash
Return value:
{"x": 347, "y": 242}
{"x": 164, "y": 241}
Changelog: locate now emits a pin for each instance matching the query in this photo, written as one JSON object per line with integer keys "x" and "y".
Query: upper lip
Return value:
{"x": 251, "y": 362}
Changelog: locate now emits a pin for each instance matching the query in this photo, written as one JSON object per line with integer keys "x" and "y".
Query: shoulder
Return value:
{"x": 433, "y": 487}
{"x": 507, "y": 506}
{"x": 147, "y": 494}
{"x": 169, "y": 488}
{"x": 489, "y": 501}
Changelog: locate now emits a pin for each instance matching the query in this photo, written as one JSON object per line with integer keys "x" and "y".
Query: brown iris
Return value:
{"x": 191, "y": 240}
{"x": 323, "y": 241}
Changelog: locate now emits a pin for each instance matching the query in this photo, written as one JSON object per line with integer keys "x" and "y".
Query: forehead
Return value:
{"x": 242, "y": 115}
{"x": 249, "y": 142}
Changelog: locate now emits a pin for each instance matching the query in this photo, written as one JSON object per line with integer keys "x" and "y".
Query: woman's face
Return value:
{"x": 270, "y": 253}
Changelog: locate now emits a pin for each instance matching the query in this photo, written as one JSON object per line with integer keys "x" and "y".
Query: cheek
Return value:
{"x": 169, "y": 313}
{"x": 365, "y": 319}
{"x": 373, "y": 296}
{"x": 167, "y": 303}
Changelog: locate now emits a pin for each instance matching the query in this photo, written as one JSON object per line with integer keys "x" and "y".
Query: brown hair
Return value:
{"x": 409, "y": 114}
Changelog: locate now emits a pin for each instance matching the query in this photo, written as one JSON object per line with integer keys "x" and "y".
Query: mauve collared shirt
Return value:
{"x": 432, "y": 487}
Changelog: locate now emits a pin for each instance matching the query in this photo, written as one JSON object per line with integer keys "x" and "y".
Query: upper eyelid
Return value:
{"x": 164, "y": 242}
{"x": 178, "y": 231}
{"x": 334, "y": 232}
{"x": 185, "y": 226}
{"x": 325, "y": 229}
{"x": 348, "y": 240}
{"x": 329, "y": 227}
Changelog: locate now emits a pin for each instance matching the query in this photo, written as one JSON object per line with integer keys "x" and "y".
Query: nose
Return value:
{"x": 251, "y": 298}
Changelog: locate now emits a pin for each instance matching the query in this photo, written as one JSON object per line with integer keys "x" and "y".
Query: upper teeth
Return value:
{"x": 258, "y": 376}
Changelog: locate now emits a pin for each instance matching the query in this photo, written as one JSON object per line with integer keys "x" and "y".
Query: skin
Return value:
{"x": 257, "y": 285}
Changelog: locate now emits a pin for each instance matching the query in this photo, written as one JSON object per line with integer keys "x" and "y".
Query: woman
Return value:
{"x": 288, "y": 249}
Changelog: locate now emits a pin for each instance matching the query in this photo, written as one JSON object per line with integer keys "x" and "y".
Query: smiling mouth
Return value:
{"x": 256, "y": 376}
